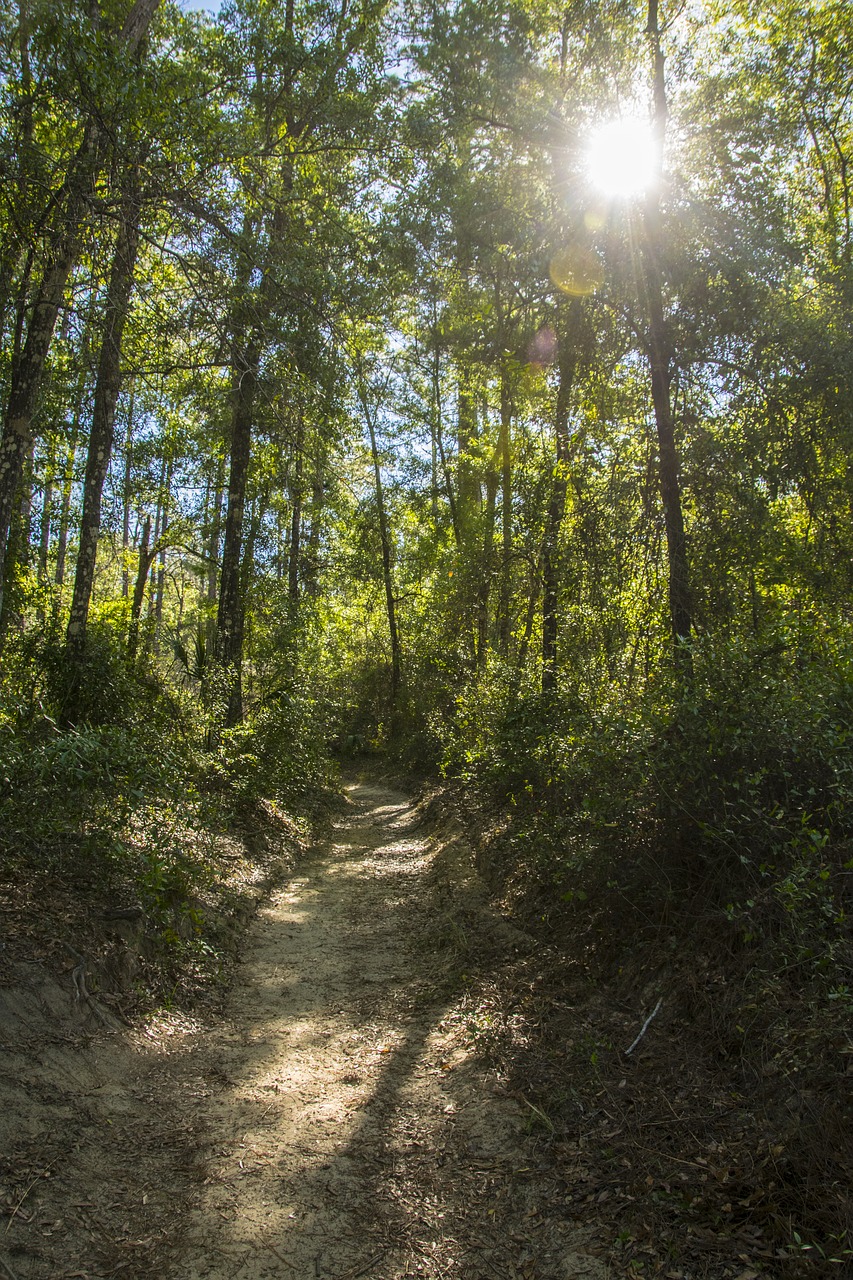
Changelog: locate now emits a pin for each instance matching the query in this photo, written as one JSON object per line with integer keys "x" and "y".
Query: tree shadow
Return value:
{"x": 354, "y": 1132}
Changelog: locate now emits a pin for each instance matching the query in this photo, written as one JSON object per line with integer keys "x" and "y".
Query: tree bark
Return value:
{"x": 28, "y": 372}
{"x": 116, "y": 307}
{"x": 568, "y": 317}
{"x": 485, "y": 584}
{"x": 438, "y": 409}
{"x": 46, "y": 514}
{"x": 215, "y": 534}
{"x": 387, "y": 577}
{"x": 296, "y": 517}
{"x": 504, "y": 449}
{"x": 312, "y": 559}
{"x": 467, "y": 481}
{"x": 145, "y": 558}
{"x": 660, "y": 362}
{"x": 125, "y": 497}
{"x": 65, "y": 508}
{"x": 229, "y": 623}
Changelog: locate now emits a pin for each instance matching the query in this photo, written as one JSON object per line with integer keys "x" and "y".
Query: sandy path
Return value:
{"x": 349, "y": 1133}
{"x": 332, "y": 1124}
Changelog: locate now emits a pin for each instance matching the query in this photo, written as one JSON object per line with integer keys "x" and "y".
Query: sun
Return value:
{"x": 621, "y": 159}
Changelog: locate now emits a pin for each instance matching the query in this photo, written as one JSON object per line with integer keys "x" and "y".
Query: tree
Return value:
{"x": 61, "y": 251}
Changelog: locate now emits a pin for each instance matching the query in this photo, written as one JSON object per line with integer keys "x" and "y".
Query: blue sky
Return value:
{"x": 212, "y": 6}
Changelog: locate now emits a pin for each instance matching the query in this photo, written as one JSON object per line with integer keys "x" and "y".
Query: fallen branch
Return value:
{"x": 367, "y": 1266}
{"x": 644, "y": 1028}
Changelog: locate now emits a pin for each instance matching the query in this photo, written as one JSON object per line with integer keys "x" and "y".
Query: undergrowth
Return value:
{"x": 692, "y": 841}
{"x": 136, "y": 839}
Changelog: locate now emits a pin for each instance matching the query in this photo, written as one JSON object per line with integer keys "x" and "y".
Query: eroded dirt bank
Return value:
{"x": 334, "y": 1123}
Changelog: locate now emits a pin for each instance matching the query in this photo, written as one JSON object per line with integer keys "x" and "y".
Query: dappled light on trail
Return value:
{"x": 344, "y": 1126}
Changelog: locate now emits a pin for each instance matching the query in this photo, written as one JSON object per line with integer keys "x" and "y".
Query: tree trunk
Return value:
{"x": 312, "y": 559}
{"x": 117, "y": 307}
{"x": 229, "y": 623}
{"x": 438, "y": 410}
{"x": 213, "y": 539}
{"x": 390, "y": 602}
{"x": 485, "y": 583}
{"x": 568, "y": 316}
{"x": 504, "y": 449}
{"x": 46, "y": 513}
{"x": 125, "y": 498}
{"x": 161, "y": 526}
{"x": 660, "y": 361}
{"x": 145, "y": 558}
{"x": 467, "y": 481}
{"x": 28, "y": 372}
{"x": 65, "y": 509}
{"x": 296, "y": 518}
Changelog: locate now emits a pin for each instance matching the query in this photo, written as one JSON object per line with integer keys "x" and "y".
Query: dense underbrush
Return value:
{"x": 693, "y": 843}
{"x": 728, "y": 800}
{"x": 128, "y": 831}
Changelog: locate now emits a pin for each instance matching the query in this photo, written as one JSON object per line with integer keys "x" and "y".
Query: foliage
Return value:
{"x": 726, "y": 806}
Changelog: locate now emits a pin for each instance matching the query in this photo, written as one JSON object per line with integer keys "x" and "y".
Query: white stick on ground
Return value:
{"x": 644, "y": 1028}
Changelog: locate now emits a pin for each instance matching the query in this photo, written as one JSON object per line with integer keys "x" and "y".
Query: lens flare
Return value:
{"x": 621, "y": 159}
{"x": 576, "y": 270}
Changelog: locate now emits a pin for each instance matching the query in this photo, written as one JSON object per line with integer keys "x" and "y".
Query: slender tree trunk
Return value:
{"x": 161, "y": 581}
{"x": 28, "y": 370}
{"x": 144, "y": 564}
{"x": 46, "y": 514}
{"x": 65, "y": 509}
{"x": 487, "y": 573}
{"x": 230, "y": 617}
{"x": 296, "y": 517}
{"x": 312, "y": 559}
{"x": 162, "y": 525}
{"x": 256, "y": 520}
{"x": 568, "y": 316}
{"x": 439, "y": 441}
{"x": 117, "y": 307}
{"x": 504, "y": 449}
{"x": 387, "y": 577}
{"x": 215, "y": 533}
{"x": 660, "y": 360}
{"x": 467, "y": 485}
{"x": 18, "y": 553}
{"x": 68, "y": 469}
{"x": 535, "y": 577}
{"x": 125, "y": 499}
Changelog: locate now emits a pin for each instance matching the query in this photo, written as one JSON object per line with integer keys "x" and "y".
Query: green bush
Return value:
{"x": 279, "y": 753}
{"x": 728, "y": 797}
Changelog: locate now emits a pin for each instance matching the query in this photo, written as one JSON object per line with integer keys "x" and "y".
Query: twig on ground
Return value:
{"x": 367, "y": 1266}
{"x": 275, "y": 1251}
{"x": 28, "y": 1189}
{"x": 6, "y": 1269}
{"x": 644, "y": 1028}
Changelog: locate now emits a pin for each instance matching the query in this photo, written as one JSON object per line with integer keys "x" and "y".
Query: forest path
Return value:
{"x": 347, "y": 1129}
{"x": 333, "y": 1122}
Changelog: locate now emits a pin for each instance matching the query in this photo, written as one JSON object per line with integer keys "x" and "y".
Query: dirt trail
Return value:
{"x": 333, "y": 1124}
